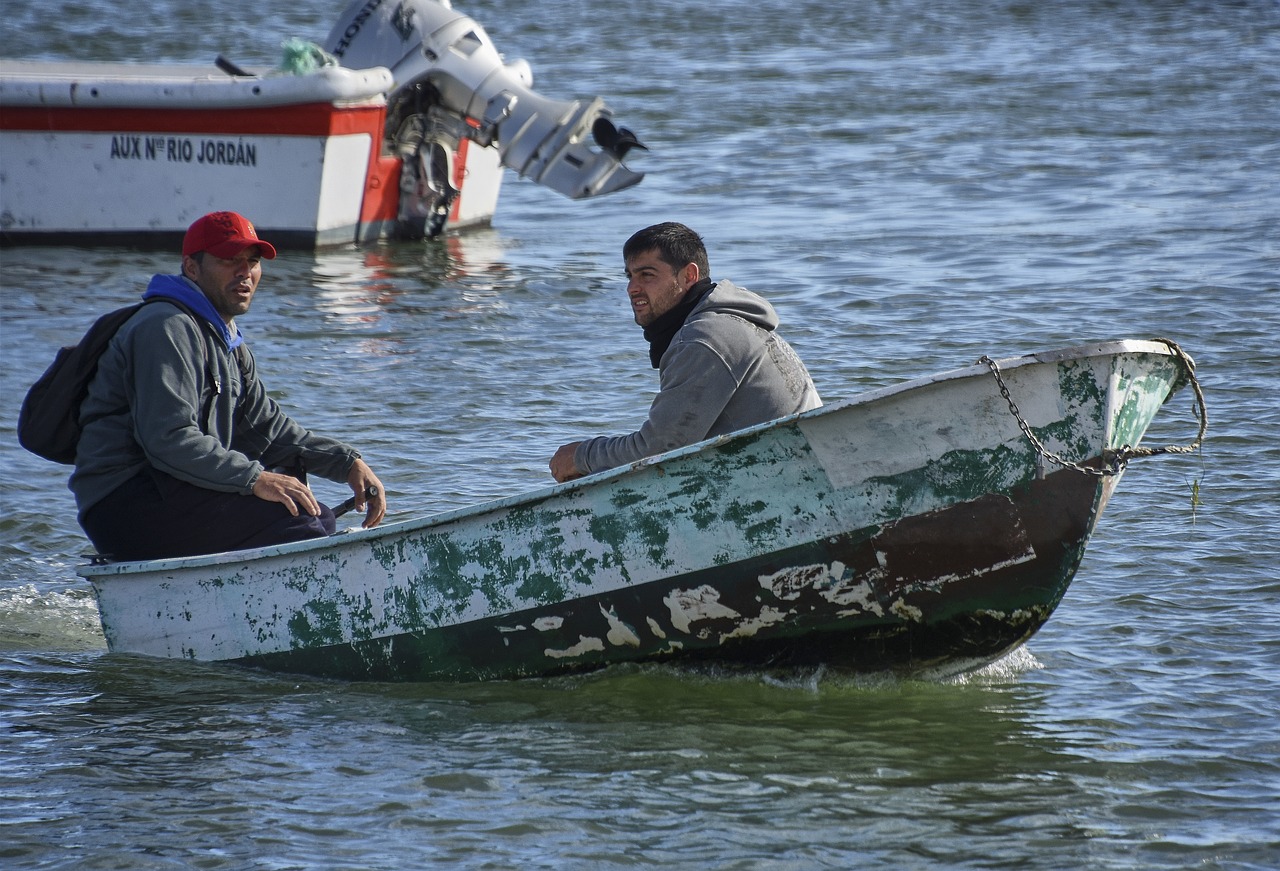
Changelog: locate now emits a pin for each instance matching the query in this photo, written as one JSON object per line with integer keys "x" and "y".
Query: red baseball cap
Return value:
{"x": 224, "y": 234}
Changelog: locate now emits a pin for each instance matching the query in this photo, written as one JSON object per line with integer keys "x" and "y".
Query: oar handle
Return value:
{"x": 370, "y": 492}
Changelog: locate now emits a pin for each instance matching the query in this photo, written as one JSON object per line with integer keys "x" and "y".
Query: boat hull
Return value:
{"x": 951, "y": 596}
{"x": 913, "y": 528}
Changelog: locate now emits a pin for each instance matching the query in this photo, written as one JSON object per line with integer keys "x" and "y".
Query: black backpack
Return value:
{"x": 49, "y": 423}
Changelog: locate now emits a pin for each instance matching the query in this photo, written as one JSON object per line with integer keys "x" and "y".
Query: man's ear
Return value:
{"x": 690, "y": 275}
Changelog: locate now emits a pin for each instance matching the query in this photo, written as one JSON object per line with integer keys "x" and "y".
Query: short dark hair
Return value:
{"x": 198, "y": 257}
{"x": 676, "y": 245}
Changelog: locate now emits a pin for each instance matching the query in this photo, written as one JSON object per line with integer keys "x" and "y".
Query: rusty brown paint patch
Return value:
{"x": 943, "y": 546}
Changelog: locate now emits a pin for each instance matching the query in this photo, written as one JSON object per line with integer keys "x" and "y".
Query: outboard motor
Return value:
{"x": 451, "y": 83}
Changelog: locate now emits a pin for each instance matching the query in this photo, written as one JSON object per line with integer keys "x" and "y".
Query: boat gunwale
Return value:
{"x": 75, "y": 85}
{"x": 1109, "y": 348}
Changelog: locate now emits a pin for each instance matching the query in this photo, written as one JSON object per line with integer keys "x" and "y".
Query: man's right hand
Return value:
{"x": 562, "y": 466}
{"x": 288, "y": 491}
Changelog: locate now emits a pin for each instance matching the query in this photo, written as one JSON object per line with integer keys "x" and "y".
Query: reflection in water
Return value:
{"x": 687, "y": 750}
{"x": 385, "y": 273}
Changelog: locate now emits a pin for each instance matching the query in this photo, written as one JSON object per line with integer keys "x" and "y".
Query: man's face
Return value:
{"x": 654, "y": 288}
{"x": 229, "y": 284}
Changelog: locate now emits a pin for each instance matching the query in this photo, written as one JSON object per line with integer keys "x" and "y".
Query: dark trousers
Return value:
{"x": 154, "y": 515}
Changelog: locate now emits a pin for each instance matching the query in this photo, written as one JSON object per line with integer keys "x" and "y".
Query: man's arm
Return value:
{"x": 265, "y": 430}
{"x": 696, "y": 386}
{"x": 168, "y": 394}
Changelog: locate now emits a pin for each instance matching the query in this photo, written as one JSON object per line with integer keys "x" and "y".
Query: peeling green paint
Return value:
{"x": 1143, "y": 391}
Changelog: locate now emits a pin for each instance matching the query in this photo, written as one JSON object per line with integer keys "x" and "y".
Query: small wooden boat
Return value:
{"x": 931, "y": 525}
{"x": 400, "y": 126}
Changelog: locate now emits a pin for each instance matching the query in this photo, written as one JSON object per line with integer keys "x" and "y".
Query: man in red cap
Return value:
{"x": 179, "y": 435}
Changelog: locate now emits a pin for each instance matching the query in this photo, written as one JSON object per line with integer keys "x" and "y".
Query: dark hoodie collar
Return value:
{"x": 180, "y": 288}
{"x": 664, "y": 329}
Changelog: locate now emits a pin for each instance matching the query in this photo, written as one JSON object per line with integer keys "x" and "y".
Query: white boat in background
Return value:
{"x": 400, "y": 125}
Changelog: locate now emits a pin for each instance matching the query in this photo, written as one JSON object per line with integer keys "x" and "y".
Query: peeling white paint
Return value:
{"x": 655, "y": 628}
{"x": 937, "y": 582}
{"x": 789, "y": 583}
{"x": 748, "y": 628}
{"x": 689, "y": 606}
{"x": 584, "y": 645}
{"x": 543, "y": 624}
{"x": 905, "y": 611}
{"x": 517, "y": 628}
{"x": 855, "y": 597}
{"x": 1021, "y": 615}
{"x": 619, "y": 633}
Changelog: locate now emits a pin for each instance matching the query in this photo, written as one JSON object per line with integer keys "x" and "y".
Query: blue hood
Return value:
{"x": 178, "y": 288}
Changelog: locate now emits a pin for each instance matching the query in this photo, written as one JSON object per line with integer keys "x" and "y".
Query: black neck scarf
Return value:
{"x": 663, "y": 330}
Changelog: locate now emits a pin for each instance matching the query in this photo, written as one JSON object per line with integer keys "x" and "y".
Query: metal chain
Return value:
{"x": 1113, "y": 461}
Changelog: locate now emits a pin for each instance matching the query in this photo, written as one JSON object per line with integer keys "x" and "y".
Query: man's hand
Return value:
{"x": 361, "y": 478}
{"x": 288, "y": 491}
{"x": 562, "y": 465}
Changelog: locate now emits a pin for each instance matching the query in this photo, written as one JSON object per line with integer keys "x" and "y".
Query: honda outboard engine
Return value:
{"x": 450, "y": 84}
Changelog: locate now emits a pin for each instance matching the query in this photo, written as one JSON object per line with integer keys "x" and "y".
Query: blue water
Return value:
{"x": 913, "y": 185}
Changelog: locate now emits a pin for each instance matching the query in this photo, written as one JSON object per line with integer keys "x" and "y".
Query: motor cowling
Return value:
{"x": 442, "y": 58}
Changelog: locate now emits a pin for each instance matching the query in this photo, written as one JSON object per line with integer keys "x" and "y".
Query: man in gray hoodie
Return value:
{"x": 722, "y": 367}
{"x": 180, "y": 438}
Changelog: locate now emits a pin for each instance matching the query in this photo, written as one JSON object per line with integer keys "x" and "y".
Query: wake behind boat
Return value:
{"x": 400, "y": 126}
{"x": 931, "y": 525}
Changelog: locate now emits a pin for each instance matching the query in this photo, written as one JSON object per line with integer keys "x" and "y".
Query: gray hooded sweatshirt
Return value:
{"x": 725, "y": 370}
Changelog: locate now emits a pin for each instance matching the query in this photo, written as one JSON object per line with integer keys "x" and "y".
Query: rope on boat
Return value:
{"x": 1113, "y": 461}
